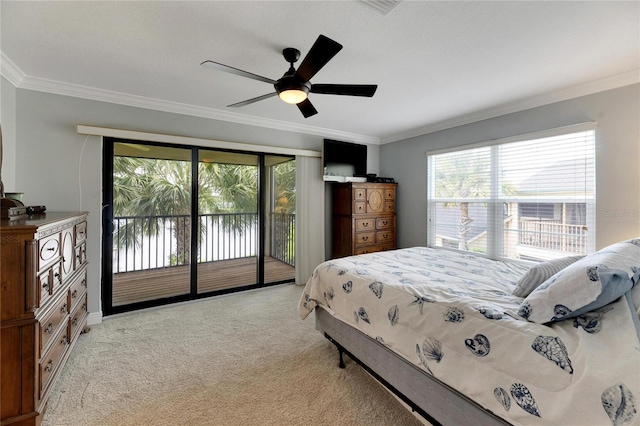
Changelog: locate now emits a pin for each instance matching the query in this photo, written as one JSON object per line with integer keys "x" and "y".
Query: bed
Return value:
{"x": 445, "y": 332}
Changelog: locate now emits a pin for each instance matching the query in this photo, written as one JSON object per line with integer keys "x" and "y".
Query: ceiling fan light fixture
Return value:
{"x": 293, "y": 96}
{"x": 291, "y": 90}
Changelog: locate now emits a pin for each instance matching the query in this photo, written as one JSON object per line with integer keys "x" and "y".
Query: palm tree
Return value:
{"x": 152, "y": 187}
{"x": 227, "y": 188}
{"x": 463, "y": 176}
{"x": 284, "y": 209}
{"x": 285, "y": 181}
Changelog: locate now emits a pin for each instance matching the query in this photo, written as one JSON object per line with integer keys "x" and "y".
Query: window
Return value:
{"x": 530, "y": 197}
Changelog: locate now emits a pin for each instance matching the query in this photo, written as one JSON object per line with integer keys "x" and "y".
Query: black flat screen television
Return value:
{"x": 343, "y": 159}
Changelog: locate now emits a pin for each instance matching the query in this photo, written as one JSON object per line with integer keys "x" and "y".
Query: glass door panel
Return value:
{"x": 151, "y": 223}
{"x": 279, "y": 262}
{"x": 228, "y": 249}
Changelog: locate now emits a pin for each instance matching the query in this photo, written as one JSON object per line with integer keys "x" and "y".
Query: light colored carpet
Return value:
{"x": 242, "y": 359}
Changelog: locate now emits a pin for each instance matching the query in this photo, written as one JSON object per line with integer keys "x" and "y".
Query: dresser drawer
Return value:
{"x": 365, "y": 238}
{"x": 77, "y": 290}
{"x": 50, "y": 324}
{"x": 384, "y": 237}
{"x": 365, "y": 224}
{"x": 389, "y": 206}
{"x": 360, "y": 194}
{"x": 81, "y": 232}
{"x": 49, "y": 283}
{"x": 68, "y": 252}
{"x": 50, "y": 361}
{"x": 56, "y": 278}
{"x": 78, "y": 317}
{"x": 48, "y": 250}
{"x": 45, "y": 285}
{"x": 360, "y": 207}
{"x": 373, "y": 249}
{"x": 390, "y": 194}
{"x": 384, "y": 223}
{"x": 81, "y": 255}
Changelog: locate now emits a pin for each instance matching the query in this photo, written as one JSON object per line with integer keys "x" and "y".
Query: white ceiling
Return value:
{"x": 434, "y": 62}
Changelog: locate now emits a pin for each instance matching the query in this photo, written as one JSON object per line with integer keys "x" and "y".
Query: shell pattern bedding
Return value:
{"x": 454, "y": 315}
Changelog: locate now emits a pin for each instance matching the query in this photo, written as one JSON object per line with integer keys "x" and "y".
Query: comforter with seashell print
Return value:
{"x": 453, "y": 315}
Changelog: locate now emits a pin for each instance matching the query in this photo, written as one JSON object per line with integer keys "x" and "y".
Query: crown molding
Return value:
{"x": 609, "y": 83}
{"x": 22, "y": 81}
{"x": 10, "y": 71}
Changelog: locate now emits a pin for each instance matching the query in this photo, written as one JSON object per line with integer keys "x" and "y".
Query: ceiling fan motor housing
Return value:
{"x": 290, "y": 82}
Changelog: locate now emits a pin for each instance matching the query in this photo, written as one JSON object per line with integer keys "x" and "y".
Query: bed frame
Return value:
{"x": 438, "y": 403}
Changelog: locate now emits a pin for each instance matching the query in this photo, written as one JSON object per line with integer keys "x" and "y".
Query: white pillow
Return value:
{"x": 587, "y": 284}
{"x": 541, "y": 272}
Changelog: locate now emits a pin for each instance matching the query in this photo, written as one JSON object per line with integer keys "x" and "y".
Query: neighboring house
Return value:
{"x": 547, "y": 227}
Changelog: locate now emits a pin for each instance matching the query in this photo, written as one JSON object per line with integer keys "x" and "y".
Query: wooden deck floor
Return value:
{"x": 140, "y": 286}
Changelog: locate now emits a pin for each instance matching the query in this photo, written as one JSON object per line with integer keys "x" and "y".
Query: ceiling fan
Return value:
{"x": 294, "y": 86}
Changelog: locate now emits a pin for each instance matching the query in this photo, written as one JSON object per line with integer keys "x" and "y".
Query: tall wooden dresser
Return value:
{"x": 43, "y": 307}
{"x": 363, "y": 218}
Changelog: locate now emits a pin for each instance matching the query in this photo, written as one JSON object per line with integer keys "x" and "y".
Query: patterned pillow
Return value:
{"x": 587, "y": 284}
{"x": 541, "y": 272}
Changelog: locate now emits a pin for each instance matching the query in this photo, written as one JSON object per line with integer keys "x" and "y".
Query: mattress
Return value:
{"x": 453, "y": 315}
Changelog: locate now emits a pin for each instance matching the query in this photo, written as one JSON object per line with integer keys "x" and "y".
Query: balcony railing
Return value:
{"x": 553, "y": 235}
{"x": 151, "y": 242}
{"x": 283, "y": 237}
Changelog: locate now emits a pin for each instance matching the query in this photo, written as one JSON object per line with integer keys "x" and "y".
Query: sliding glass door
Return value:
{"x": 151, "y": 232}
{"x": 228, "y": 220}
{"x": 186, "y": 222}
{"x": 280, "y": 217}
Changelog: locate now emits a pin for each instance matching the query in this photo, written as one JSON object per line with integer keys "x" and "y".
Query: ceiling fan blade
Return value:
{"x": 306, "y": 108}
{"x": 236, "y": 71}
{"x": 252, "y": 100}
{"x": 320, "y": 53}
{"x": 345, "y": 89}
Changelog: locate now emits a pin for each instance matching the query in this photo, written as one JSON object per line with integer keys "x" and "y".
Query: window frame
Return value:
{"x": 495, "y": 201}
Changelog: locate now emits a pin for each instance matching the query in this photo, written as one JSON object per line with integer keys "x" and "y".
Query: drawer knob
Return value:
{"x": 384, "y": 222}
{"x": 365, "y": 238}
{"x": 51, "y": 249}
{"x": 49, "y": 366}
{"x": 63, "y": 310}
{"x": 49, "y": 329}
{"x": 64, "y": 341}
{"x": 74, "y": 294}
{"x": 75, "y": 322}
{"x": 366, "y": 224}
{"x": 45, "y": 286}
{"x": 84, "y": 283}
